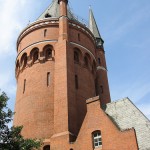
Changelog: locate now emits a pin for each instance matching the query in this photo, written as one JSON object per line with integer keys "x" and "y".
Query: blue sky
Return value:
{"x": 124, "y": 26}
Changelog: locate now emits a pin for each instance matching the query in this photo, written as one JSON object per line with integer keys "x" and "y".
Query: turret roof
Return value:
{"x": 54, "y": 12}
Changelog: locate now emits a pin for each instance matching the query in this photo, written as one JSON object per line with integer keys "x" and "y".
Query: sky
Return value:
{"x": 124, "y": 26}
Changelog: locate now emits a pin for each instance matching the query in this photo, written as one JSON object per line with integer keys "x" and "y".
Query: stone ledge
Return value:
{"x": 93, "y": 99}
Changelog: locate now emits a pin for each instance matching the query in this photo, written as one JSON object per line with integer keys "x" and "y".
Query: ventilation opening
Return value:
{"x": 101, "y": 89}
{"x": 99, "y": 61}
{"x": 48, "y": 79}
{"x": 48, "y": 15}
{"x": 45, "y": 31}
{"x": 76, "y": 82}
{"x": 24, "y": 86}
{"x": 79, "y": 37}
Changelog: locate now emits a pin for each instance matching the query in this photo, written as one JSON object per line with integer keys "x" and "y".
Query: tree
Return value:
{"x": 11, "y": 138}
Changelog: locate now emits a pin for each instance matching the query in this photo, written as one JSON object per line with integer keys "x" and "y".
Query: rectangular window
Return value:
{"x": 24, "y": 86}
{"x": 76, "y": 81}
{"x": 97, "y": 139}
{"x": 48, "y": 79}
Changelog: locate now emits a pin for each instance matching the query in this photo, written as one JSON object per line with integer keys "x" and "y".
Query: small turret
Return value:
{"x": 102, "y": 86}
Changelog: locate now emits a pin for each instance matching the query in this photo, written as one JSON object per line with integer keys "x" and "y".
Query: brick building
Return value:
{"x": 62, "y": 88}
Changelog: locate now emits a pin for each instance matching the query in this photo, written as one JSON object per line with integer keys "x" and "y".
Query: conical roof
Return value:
{"x": 93, "y": 26}
{"x": 54, "y": 11}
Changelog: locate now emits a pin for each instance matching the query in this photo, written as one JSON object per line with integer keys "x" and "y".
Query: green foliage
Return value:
{"x": 11, "y": 138}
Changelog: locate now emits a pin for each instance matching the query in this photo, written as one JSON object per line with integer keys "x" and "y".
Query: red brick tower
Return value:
{"x": 60, "y": 64}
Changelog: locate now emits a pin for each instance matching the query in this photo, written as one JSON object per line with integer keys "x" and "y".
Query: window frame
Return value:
{"x": 97, "y": 140}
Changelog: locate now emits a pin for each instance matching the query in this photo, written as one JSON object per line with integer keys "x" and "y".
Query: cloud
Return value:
{"x": 123, "y": 24}
{"x": 9, "y": 26}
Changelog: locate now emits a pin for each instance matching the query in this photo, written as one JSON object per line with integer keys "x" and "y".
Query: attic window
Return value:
{"x": 47, "y": 15}
{"x": 97, "y": 139}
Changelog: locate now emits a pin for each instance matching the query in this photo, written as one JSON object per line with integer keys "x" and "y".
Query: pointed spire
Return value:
{"x": 92, "y": 25}
{"x": 94, "y": 29}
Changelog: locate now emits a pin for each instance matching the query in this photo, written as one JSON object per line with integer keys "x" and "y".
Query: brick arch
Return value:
{"x": 77, "y": 55}
{"x": 23, "y": 60}
{"x": 34, "y": 54}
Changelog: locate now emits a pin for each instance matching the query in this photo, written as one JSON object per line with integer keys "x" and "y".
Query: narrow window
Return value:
{"x": 99, "y": 61}
{"x": 86, "y": 61}
{"x": 76, "y": 57}
{"x": 25, "y": 62}
{"x": 48, "y": 79}
{"x": 45, "y": 31}
{"x": 47, "y": 147}
{"x": 48, "y": 53}
{"x": 24, "y": 86}
{"x": 97, "y": 139}
{"x": 76, "y": 81}
{"x": 35, "y": 56}
{"x": 78, "y": 36}
{"x": 101, "y": 89}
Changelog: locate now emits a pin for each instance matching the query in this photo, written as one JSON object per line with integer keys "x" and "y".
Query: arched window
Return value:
{"x": 97, "y": 139}
{"x": 48, "y": 51}
{"x": 76, "y": 56}
{"x": 47, "y": 147}
{"x": 34, "y": 54}
{"x": 86, "y": 62}
{"x": 24, "y": 60}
